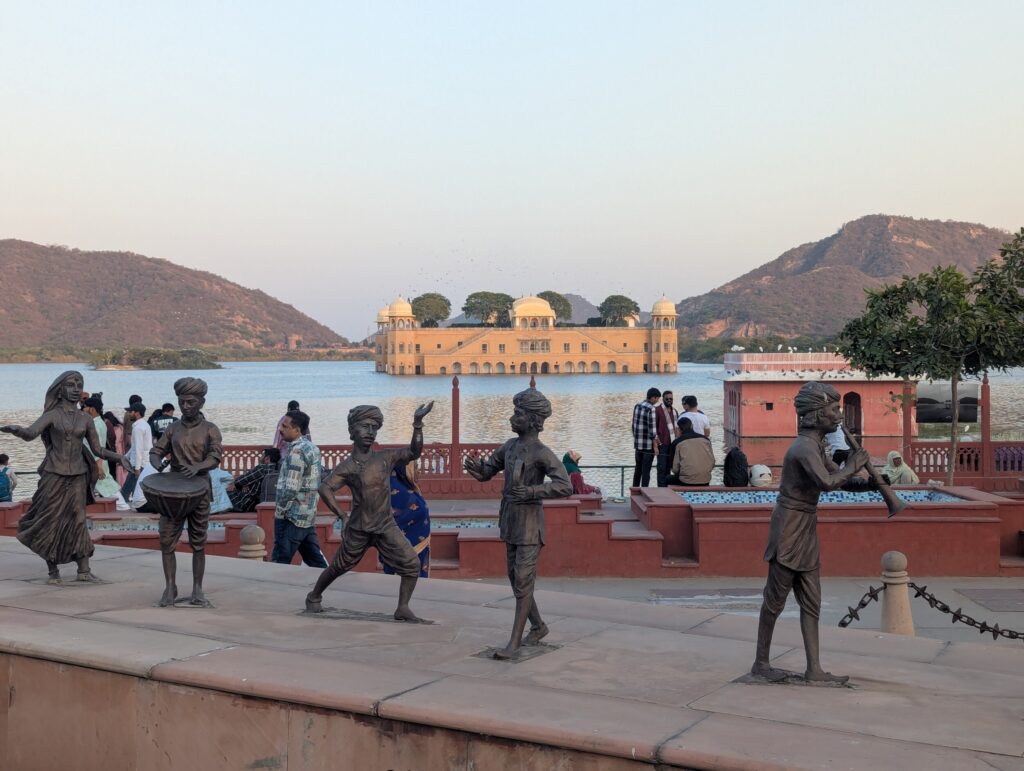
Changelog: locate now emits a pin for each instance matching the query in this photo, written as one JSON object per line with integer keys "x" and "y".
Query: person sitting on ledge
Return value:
{"x": 571, "y": 461}
{"x": 693, "y": 460}
{"x": 245, "y": 491}
{"x": 898, "y": 472}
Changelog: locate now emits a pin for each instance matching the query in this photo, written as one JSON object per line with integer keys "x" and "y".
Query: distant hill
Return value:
{"x": 815, "y": 288}
{"x": 53, "y": 295}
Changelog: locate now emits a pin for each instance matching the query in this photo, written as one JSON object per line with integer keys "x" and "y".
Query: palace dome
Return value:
{"x": 664, "y": 307}
{"x": 384, "y": 315}
{"x": 532, "y": 306}
{"x": 400, "y": 308}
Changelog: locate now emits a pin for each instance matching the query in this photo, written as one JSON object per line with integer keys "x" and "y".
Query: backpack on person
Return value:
{"x": 735, "y": 469}
{"x": 5, "y": 485}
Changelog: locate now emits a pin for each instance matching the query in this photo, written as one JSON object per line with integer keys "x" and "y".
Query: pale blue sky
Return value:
{"x": 337, "y": 154}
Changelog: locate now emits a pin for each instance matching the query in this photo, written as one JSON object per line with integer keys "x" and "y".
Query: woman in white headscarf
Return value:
{"x": 899, "y": 473}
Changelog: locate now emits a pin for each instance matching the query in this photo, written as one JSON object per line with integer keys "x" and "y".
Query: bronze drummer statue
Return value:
{"x": 55, "y": 527}
{"x": 792, "y": 553}
{"x": 525, "y": 462}
{"x": 367, "y": 473}
{"x": 193, "y": 446}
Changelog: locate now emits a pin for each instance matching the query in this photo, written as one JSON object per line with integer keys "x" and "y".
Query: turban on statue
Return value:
{"x": 814, "y": 396}
{"x": 533, "y": 401}
{"x": 365, "y": 412}
{"x": 190, "y": 386}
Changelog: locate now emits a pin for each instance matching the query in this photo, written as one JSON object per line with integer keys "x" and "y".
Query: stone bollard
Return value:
{"x": 252, "y": 538}
{"x": 896, "y": 616}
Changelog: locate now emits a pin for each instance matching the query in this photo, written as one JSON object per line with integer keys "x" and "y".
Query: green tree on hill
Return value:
{"x": 431, "y": 308}
{"x": 561, "y": 306}
{"x": 617, "y": 308}
{"x": 943, "y": 325}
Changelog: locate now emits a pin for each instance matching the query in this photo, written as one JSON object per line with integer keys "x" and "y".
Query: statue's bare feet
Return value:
{"x": 169, "y": 596}
{"x": 536, "y": 634}
{"x": 314, "y": 605}
{"x": 54, "y": 580}
{"x": 199, "y": 599}
{"x": 405, "y": 614}
{"x": 88, "y": 577}
{"x": 825, "y": 677}
{"x": 506, "y": 654}
{"x": 768, "y": 672}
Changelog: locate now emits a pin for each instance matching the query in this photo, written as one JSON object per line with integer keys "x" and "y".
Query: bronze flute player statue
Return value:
{"x": 525, "y": 463}
{"x": 793, "y": 552}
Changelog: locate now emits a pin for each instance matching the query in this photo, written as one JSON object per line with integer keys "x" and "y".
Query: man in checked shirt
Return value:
{"x": 297, "y": 487}
{"x": 645, "y": 437}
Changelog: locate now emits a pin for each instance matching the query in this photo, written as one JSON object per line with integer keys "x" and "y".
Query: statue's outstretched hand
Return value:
{"x": 422, "y": 411}
{"x": 474, "y": 467}
{"x": 8, "y": 429}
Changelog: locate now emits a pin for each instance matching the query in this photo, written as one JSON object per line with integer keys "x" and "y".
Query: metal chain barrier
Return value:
{"x": 871, "y": 595}
{"x": 958, "y": 615}
{"x": 963, "y": 618}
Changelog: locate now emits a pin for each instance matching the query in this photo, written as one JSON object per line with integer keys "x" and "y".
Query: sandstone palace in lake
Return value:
{"x": 533, "y": 344}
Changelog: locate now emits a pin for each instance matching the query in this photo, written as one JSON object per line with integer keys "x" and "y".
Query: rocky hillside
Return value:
{"x": 815, "y": 288}
{"x": 53, "y": 295}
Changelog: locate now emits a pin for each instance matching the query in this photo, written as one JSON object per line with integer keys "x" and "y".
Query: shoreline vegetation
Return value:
{"x": 173, "y": 358}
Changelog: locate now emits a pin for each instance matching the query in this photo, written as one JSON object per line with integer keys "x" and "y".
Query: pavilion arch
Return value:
{"x": 581, "y": 367}
{"x": 625, "y": 369}
{"x": 522, "y": 368}
{"x": 657, "y": 367}
{"x": 444, "y": 370}
{"x": 533, "y": 368}
{"x": 545, "y": 368}
{"x": 524, "y": 323}
{"x": 499, "y": 368}
{"x": 474, "y": 368}
{"x": 401, "y": 369}
{"x": 487, "y": 368}
{"x": 457, "y": 368}
{"x": 611, "y": 368}
{"x": 556, "y": 368}
{"x": 666, "y": 367}
{"x": 595, "y": 367}
{"x": 534, "y": 323}
{"x": 568, "y": 367}
{"x": 853, "y": 415}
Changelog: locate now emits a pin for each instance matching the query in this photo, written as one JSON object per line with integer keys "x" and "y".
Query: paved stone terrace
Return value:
{"x": 629, "y": 681}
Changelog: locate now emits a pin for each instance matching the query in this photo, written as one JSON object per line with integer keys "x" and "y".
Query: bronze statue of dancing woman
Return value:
{"x": 367, "y": 473}
{"x": 55, "y": 527}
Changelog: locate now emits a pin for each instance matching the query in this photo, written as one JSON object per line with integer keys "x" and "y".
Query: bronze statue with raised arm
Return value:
{"x": 367, "y": 474}
{"x": 792, "y": 553}
{"x": 55, "y": 527}
{"x": 525, "y": 462}
{"x": 193, "y": 447}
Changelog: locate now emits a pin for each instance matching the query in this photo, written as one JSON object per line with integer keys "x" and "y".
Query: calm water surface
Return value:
{"x": 591, "y": 412}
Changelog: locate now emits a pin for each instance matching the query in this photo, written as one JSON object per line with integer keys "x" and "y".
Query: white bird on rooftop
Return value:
{"x": 760, "y": 348}
{"x": 779, "y": 348}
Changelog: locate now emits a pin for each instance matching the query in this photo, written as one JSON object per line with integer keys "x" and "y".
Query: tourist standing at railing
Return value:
{"x": 106, "y": 484}
{"x": 701, "y": 422}
{"x": 279, "y": 441}
{"x": 8, "y": 479}
{"x": 645, "y": 437}
{"x": 666, "y": 417}
{"x": 297, "y": 485}
{"x": 838, "y": 448}
{"x": 129, "y": 422}
{"x": 142, "y": 444}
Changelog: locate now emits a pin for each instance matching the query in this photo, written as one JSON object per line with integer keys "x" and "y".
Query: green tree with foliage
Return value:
{"x": 943, "y": 325}
{"x": 431, "y": 308}
{"x": 491, "y": 308}
{"x": 617, "y": 308}
{"x": 561, "y": 306}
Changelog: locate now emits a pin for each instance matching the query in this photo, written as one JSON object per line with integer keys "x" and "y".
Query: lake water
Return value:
{"x": 591, "y": 412}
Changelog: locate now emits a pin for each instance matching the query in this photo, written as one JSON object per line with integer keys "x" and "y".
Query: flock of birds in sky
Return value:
{"x": 789, "y": 348}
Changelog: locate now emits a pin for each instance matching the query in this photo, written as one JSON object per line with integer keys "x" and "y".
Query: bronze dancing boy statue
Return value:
{"x": 526, "y": 462}
{"x": 367, "y": 473}
{"x": 193, "y": 446}
{"x": 792, "y": 553}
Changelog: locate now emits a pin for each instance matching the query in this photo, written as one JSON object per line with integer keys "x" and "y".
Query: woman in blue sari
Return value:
{"x": 411, "y": 515}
